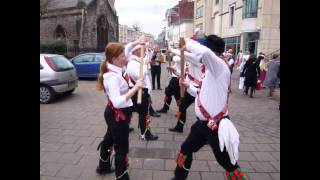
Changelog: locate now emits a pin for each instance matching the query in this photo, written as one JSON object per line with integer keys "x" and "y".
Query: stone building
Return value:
{"x": 86, "y": 25}
{"x": 242, "y": 23}
{"x": 128, "y": 34}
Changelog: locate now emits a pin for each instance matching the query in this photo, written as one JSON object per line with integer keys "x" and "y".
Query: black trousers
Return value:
{"x": 117, "y": 135}
{"x": 173, "y": 89}
{"x": 199, "y": 135}
{"x": 156, "y": 72}
{"x": 186, "y": 101}
{"x": 142, "y": 109}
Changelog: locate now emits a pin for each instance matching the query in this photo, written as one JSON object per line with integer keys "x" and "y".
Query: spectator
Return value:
{"x": 271, "y": 79}
{"x": 251, "y": 71}
{"x": 263, "y": 68}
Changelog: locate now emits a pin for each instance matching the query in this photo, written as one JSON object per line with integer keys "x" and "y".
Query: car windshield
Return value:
{"x": 61, "y": 63}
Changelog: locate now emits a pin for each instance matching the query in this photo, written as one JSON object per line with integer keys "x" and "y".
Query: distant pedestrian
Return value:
{"x": 251, "y": 72}
{"x": 156, "y": 68}
{"x": 271, "y": 79}
{"x": 263, "y": 68}
{"x": 239, "y": 58}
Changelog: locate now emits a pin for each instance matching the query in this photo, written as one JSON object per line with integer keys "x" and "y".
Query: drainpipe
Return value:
{"x": 81, "y": 28}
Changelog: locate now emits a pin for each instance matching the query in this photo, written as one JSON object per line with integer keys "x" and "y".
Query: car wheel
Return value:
{"x": 71, "y": 91}
{"x": 46, "y": 94}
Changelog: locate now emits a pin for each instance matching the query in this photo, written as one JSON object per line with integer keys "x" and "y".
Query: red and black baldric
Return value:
{"x": 195, "y": 80}
{"x": 118, "y": 114}
{"x": 213, "y": 122}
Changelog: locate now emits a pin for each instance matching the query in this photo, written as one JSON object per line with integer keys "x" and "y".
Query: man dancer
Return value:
{"x": 173, "y": 89}
{"x": 194, "y": 74}
{"x": 213, "y": 124}
{"x": 142, "y": 109}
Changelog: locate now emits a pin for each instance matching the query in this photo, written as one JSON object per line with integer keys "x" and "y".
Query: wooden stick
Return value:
{"x": 168, "y": 57}
{"x": 182, "y": 89}
{"x": 141, "y": 74}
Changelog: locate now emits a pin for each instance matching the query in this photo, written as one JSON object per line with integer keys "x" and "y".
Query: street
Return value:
{"x": 72, "y": 127}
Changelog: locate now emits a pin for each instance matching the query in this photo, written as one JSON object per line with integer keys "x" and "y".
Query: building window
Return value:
{"x": 232, "y": 15}
{"x": 250, "y": 8}
{"x": 232, "y": 43}
{"x": 199, "y": 12}
{"x": 217, "y": 1}
{"x": 200, "y": 26}
{"x": 250, "y": 41}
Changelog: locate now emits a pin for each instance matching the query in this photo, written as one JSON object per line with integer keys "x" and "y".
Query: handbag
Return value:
{"x": 258, "y": 85}
{"x": 241, "y": 82}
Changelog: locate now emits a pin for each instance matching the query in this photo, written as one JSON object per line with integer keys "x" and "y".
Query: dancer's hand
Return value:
{"x": 139, "y": 83}
{"x": 183, "y": 82}
{"x": 229, "y": 138}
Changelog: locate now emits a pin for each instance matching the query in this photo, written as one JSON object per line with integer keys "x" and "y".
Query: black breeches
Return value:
{"x": 173, "y": 89}
{"x": 156, "y": 72}
{"x": 117, "y": 135}
{"x": 142, "y": 109}
{"x": 186, "y": 101}
{"x": 199, "y": 135}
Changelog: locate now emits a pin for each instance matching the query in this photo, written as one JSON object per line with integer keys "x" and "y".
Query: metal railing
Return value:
{"x": 269, "y": 56}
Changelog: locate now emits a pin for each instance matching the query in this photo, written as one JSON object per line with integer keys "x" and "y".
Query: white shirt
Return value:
{"x": 214, "y": 90}
{"x": 116, "y": 86}
{"x": 177, "y": 66}
{"x": 231, "y": 61}
{"x": 133, "y": 70}
{"x": 194, "y": 67}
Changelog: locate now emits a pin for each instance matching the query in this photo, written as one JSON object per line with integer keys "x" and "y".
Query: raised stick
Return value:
{"x": 141, "y": 74}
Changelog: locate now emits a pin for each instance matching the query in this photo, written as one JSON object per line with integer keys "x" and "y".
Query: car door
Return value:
{"x": 96, "y": 64}
{"x": 82, "y": 64}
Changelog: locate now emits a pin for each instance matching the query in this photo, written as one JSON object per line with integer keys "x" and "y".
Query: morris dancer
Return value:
{"x": 142, "y": 109}
{"x": 213, "y": 124}
{"x": 118, "y": 111}
{"x": 173, "y": 88}
{"x": 194, "y": 74}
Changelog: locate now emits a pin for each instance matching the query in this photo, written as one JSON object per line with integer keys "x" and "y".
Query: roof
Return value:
{"x": 61, "y": 4}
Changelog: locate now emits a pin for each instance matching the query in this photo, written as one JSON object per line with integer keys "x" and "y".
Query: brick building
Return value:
{"x": 180, "y": 21}
{"x": 86, "y": 25}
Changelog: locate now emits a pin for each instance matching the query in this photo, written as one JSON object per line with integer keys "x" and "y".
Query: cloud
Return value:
{"x": 148, "y": 13}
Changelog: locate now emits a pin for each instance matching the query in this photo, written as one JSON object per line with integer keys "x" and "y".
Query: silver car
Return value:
{"x": 57, "y": 76}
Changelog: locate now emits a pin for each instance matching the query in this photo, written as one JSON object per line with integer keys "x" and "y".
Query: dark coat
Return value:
{"x": 251, "y": 71}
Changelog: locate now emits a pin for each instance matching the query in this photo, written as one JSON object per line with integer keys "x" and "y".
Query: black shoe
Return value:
{"x": 131, "y": 129}
{"x": 159, "y": 88}
{"x": 251, "y": 96}
{"x": 162, "y": 110}
{"x": 155, "y": 114}
{"x": 151, "y": 137}
{"x": 152, "y": 88}
{"x": 104, "y": 168}
{"x": 176, "y": 130}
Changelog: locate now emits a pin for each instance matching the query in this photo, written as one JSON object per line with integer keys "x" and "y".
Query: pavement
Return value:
{"x": 72, "y": 127}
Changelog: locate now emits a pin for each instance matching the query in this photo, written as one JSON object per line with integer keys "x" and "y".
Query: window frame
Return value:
{"x": 198, "y": 12}
{"x": 82, "y": 62}
{"x": 248, "y": 10}
{"x": 232, "y": 18}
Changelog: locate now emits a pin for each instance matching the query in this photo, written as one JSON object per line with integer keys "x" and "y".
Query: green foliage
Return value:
{"x": 53, "y": 46}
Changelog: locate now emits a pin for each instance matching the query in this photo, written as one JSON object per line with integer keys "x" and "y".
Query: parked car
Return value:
{"x": 57, "y": 76}
{"x": 88, "y": 64}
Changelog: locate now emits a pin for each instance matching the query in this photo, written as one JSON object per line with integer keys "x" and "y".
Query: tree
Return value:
{"x": 43, "y": 6}
{"x": 136, "y": 27}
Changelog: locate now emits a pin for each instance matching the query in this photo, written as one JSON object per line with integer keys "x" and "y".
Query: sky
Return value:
{"x": 149, "y": 14}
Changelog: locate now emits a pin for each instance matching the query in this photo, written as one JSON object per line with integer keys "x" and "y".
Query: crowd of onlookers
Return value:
{"x": 257, "y": 72}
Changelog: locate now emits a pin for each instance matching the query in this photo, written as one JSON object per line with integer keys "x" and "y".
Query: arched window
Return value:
{"x": 102, "y": 32}
{"x": 60, "y": 32}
